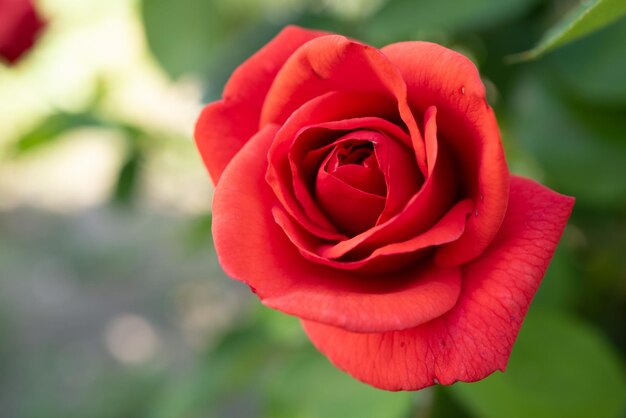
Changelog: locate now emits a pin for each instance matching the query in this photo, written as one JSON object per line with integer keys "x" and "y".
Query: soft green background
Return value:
{"x": 112, "y": 303}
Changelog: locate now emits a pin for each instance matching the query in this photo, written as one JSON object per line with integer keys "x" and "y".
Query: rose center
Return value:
{"x": 354, "y": 162}
{"x": 354, "y": 152}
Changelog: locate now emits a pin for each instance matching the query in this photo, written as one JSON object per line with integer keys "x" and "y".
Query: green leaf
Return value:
{"x": 299, "y": 382}
{"x": 48, "y": 130}
{"x": 225, "y": 375}
{"x": 402, "y": 19}
{"x": 579, "y": 147}
{"x": 559, "y": 367}
{"x": 308, "y": 386}
{"x": 444, "y": 405}
{"x": 198, "y": 233}
{"x": 194, "y": 36}
{"x": 588, "y": 17}
{"x": 126, "y": 184}
{"x": 181, "y": 34}
{"x": 561, "y": 285}
{"x": 593, "y": 68}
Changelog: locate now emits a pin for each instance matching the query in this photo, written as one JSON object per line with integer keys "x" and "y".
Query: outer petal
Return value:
{"x": 475, "y": 338}
{"x": 252, "y": 248}
{"x": 224, "y": 126}
{"x": 335, "y": 63}
{"x": 387, "y": 258}
{"x": 437, "y": 76}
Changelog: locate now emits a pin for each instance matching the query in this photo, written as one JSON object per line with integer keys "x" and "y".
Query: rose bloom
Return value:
{"x": 19, "y": 26}
{"x": 366, "y": 192}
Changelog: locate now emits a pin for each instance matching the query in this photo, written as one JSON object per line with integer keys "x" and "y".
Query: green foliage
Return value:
{"x": 560, "y": 367}
{"x": 49, "y": 129}
{"x": 308, "y": 386}
{"x": 126, "y": 183}
{"x": 204, "y": 37}
{"x": 444, "y": 405}
{"x": 220, "y": 379}
{"x": 197, "y": 235}
{"x": 589, "y": 16}
{"x": 580, "y": 147}
{"x": 268, "y": 366}
{"x": 559, "y": 287}
{"x": 407, "y": 18}
{"x": 195, "y": 25}
{"x": 593, "y": 68}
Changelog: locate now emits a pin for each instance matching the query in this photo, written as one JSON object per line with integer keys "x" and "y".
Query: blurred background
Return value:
{"x": 112, "y": 303}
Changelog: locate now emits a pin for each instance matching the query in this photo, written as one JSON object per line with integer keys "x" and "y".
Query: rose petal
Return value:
{"x": 402, "y": 176}
{"x": 369, "y": 180}
{"x": 419, "y": 214}
{"x": 311, "y": 151}
{"x": 350, "y": 209}
{"x": 430, "y": 137}
{"x": 419, "y": 295}
{"x": 252, "y": 248}
{"x": 336, "y": 109}
{"x": 335, "y": 63}
{"x": 20, "y": 25}
{"x": 387, "y": 258}
{"x": 437, "y": 76}
{"x": 475, "y": 338}
{"x": 401, "y": 180}
{"x": 224, "y": 126}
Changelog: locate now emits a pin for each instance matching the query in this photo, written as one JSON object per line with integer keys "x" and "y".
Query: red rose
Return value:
{"x": 19, "y": 26}
{"x": 366, "y": 192}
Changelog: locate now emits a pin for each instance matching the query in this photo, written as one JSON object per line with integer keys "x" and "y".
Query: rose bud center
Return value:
{"x": 355, "y": 163}
{"x": 350, "y": 187}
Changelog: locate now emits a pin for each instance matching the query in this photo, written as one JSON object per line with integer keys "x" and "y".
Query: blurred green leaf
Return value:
{"x": 198, "y": 233}
{"x": 402, "y": 19}
{"x": 594, "y": 68}
{"x": 580, "y": 148}
{"x": 126, "y": 183}
{"x": 589, "y": 16}
{"x": 234, "y": 50}
{"x": 444, "y": 405}
{"x": 241, "y": 363}
{"x": 308, "y": 386}
{"x": 283, "y": 330}
{"x": 301, "y": 383}
{"x": 560, "y": 287}
{"x": 49, "y": 129}
{"x": 187, "y": 36}
{"x": 224, "y": 374}
{"x": 559, "y": 368}
{"x": 180, "y": 34}
{"x": 270, "y": 358}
